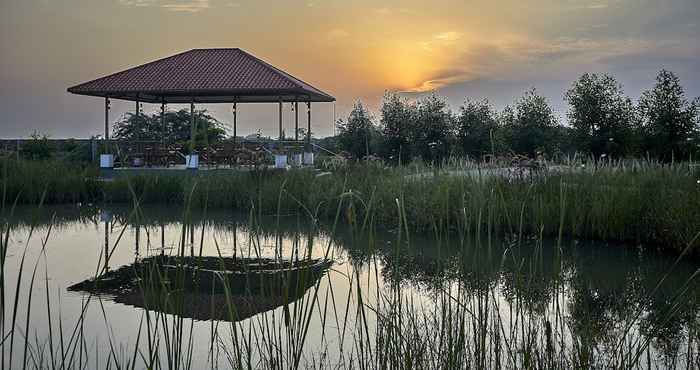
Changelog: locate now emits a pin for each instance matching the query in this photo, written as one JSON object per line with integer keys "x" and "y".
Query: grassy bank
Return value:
{"x": 638, "y": 202}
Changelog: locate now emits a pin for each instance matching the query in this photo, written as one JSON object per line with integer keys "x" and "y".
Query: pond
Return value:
{"x": 385, "y": 298}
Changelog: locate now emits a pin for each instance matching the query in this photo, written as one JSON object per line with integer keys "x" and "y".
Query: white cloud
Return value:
{"x": 448, "y": 36}
{"x": 598, "y": 6}
{"x": 337, "y": 34}
{"x": 188, "y": 6}
{"x": 137, "y": 2}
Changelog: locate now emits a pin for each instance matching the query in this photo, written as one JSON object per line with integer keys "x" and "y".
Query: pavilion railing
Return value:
{"x": 134, "y": 153}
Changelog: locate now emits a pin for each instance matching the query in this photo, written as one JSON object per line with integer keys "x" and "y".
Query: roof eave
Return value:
{"x": 209, "y": 96}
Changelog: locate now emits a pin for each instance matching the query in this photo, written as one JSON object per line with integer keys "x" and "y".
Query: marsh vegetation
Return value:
{"x": 392, "y": 298}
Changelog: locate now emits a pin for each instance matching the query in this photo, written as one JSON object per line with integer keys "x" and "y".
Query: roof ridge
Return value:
{"x": 215, "y": 49}
{"x": 274, "y": 69}
{"x": 295, "y": 80}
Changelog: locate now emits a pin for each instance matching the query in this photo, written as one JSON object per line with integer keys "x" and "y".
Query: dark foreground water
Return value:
{"x": 509, "y": 302}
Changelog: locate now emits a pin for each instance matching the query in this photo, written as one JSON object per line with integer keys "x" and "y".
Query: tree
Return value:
{"x": 669, "y": 121}
{"x": 531, "y": 126}
{"x": 397, "y": 119}
{"x": 432, "y": 129}
{"x": 601, "y": 116}
{"x": 38, "y": 148}
{"x": 145, "y": 127}
{"x": 357, "y": 133}
{"x": 477, "y": 128}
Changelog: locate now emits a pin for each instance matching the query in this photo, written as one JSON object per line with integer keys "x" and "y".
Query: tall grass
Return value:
{"x": 499, "y": 317}
{"x": 641, "y": 202}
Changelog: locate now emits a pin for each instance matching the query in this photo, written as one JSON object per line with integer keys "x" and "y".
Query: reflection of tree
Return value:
{"x": 612, "y": 288}
{"x": 428, "y": 264}
{"x": 608, "y": 290}
{"x": 595, "y": 317}
{"x": 530, "y": 273}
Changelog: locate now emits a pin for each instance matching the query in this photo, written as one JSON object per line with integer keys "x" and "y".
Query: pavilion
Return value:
{"x": 205, "y": 76}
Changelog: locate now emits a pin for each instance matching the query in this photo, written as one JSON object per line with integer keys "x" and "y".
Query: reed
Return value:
{"x": 461, "y": 324}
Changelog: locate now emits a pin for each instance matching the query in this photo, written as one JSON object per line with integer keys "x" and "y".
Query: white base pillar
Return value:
{"x": 280, "y": 161}
{"x": 297, "y": 159}
{"x": 309, "y": 158}
{"x": 107, "y": 161}
{"x": 192, "y": 161}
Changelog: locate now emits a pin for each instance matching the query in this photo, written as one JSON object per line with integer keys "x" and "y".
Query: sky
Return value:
{"x": 354, "y": 50}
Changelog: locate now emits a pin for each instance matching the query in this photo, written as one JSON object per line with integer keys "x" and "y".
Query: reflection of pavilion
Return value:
{"x": 208, "y": 288}
{"x": 206, "y": 76}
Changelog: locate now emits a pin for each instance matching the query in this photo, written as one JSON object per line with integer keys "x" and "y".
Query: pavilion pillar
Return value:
{"x": 162, "y": 121}
{"x": 308, "y": 124}
{"x": 297, "y": 157}
{"x": 138, "y": 119}
{"x": 205, "y": 125}
{"x": 106, "y": 124}
{"x": 296, "y": 121}
{"x": 192, "y": 160}
{"x": 281, "y": 136}
{"x": 235, "y": 113}
{"x": 107, "y": 158}
{"x": 280, "y": 157}
{"x": 308, "y": 153}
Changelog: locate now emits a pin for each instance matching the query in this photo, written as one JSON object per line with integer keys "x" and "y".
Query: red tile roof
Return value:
{"x": 205, "y": 76}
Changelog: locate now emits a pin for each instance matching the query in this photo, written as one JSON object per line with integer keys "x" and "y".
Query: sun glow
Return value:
{"x": 407, "y": 66}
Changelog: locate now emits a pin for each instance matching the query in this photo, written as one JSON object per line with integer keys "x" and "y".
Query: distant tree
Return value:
{"x": 356, "y": 135}
{"x": 37, "y": 148}
{"x": 75, "y": 151}
{"x": 601, "y": 116}
{"x": 531, "y": 126}
{"x": 396, "y": 128}
{"x": 478, "y": 132}
{"x": 177, "y": 127}
{"x": 329, "y": 143}
{"x": 670, "y": 122}
{"x": 432, "y": 131}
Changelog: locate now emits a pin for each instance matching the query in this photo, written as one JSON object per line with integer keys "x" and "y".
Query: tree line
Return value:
{"x": 602, "y": 122}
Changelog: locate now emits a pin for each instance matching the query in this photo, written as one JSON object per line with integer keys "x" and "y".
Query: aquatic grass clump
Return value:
{"x": 62, "y": 182}
{"x": 640, "y": 202}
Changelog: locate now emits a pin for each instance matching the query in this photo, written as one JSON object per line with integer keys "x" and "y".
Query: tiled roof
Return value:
{"x": 206, "y": 76}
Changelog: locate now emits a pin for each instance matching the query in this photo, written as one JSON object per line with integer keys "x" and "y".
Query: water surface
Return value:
{"x": 590, "y": 295}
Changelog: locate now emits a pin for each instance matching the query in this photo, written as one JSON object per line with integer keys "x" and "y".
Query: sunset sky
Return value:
{"x": 351, "y": 49}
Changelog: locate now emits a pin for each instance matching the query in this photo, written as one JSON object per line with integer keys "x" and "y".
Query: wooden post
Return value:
{"x": 162, "y": 121}
{"x": 138, "y": 119}
{"x": 206, "y": 140}
{"x": 296, "y": 121}
{"x": 280, "y": 116}
{"x": 235, "y": 113}
{"x": 192, "y": 128}
{"x": 106, "y": 126}
{"x": 308, "y": 124}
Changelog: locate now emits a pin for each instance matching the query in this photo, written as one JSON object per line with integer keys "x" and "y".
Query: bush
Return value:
{"x": 37, "y": 148}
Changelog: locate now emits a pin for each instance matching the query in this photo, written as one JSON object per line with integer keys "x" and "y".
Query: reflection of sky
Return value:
{"x": 354, "y": 50}
{"x": 515, "y": 282}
